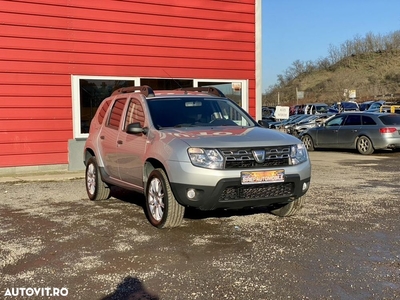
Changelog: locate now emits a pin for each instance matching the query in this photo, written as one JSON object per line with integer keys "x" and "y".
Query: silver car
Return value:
{"x": 192, "y": 148}
{"x": 364, "y": 131}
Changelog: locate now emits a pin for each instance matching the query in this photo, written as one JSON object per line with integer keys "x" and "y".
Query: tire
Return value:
{"x": 364, "y": 145}
{"x": 95, "y": 187}
{"x": 163, "y": 211}
{"x": 308, "y": 142}
{"x": 289, "y": 209}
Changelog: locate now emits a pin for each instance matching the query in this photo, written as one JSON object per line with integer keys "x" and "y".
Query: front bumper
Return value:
{"x": 230, "y": 193}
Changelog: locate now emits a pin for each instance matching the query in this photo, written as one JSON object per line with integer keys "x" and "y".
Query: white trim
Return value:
{"x": 76, "y": 108}
{"x": 245, "y": 88}
{"x": 258, "y": 89}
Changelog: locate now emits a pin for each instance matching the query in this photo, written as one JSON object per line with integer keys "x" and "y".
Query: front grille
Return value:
{"x": 270, "y": 190}
{"x": 242, "y": 158}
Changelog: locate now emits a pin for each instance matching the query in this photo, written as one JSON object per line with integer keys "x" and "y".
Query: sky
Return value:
{"x": 304, "y": 30}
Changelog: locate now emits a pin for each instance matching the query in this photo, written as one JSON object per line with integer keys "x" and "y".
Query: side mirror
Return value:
{"x": 134, "y": 128}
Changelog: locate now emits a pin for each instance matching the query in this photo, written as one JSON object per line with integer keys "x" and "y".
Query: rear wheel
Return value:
{"x": 163, "y": 210}
{"x": 308, "y": 142}
{"x": 289, "y": 209}
{"x": 364, "y": 145}
{"x": 95, "y": 187}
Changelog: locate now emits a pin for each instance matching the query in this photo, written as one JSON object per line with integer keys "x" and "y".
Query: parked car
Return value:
{"x": 364, "y": 131}
{"x": 191, "y": 148}
{"x": 268, "y": 116}
{"x": 314, "y": 121}
{"x": 343, "y": 106}
{"x": 316, "y": 108}
{"x": 284, "y": 123}
{"x": 365, "y": 105}
{"x": 376, "y": 105}
{"x": 296, "y": 109}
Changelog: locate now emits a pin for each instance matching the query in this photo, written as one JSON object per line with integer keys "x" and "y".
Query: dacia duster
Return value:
{"x": 192, "y": 147}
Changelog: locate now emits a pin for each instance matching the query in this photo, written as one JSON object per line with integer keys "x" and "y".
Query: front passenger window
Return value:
{"x": 134, "y": 114}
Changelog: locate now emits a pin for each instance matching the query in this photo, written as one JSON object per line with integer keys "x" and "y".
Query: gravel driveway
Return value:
{"x": 344, "y": 243}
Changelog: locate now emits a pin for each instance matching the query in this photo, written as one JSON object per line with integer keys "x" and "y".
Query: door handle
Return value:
{"x": 102, "y": 137}
{"x": 354, "y": 130}
{"x": 119, "y": 142}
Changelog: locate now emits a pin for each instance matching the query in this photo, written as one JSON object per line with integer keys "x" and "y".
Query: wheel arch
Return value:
{"x": 361, "y": 135}
{"x": 149, "y": 166}
{"x": 88, "y": 154}
{"x": 370, "y": 140}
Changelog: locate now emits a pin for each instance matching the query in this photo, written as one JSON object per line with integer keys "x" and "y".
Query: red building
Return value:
{"x": 60, "y": 58}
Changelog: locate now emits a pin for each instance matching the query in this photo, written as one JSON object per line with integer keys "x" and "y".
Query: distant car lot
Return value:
{"x": 343, "y": 244}
{"x": 363, "y": 131}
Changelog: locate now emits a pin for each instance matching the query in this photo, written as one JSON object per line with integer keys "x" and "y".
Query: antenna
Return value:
{"x": 177, "y": 83}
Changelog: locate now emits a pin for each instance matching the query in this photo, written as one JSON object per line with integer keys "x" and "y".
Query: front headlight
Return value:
{"x": 298, "y": 154}
{"x": 206, "y": 158}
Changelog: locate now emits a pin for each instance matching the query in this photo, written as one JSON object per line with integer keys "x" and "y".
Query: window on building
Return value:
{"x": 88, "y": 92}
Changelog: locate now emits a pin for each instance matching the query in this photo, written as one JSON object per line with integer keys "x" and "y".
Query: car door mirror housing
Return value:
{"x": 134, "y": 128}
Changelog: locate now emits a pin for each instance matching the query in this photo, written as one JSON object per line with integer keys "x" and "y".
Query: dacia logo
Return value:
{"x": 259, "y": 155}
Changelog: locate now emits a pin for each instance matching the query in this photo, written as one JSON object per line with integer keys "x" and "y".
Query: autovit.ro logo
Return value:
{"x": 42, "y": 291}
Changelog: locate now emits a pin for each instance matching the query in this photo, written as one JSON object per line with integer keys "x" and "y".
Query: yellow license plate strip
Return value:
{"x": 258, "y": 177}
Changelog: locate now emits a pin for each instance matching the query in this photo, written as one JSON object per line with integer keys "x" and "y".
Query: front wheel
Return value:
{"x": 308, "y": 142}
{"x": 163, "y": 211}
{"x": 95, "y": 187}
{"x": 364, "y": 145}
{"x": 289, "y": 209}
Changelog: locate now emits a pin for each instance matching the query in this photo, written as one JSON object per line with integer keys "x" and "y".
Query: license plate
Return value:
{"x": 262, "y": 177}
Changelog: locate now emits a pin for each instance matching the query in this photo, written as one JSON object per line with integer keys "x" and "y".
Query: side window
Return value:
{"x": 103, "y": 110}
{"x": 116, "y": 113}
{"x": 134, "y": 113}
{"x": 366, "y": 120}
{"x": 337, "y": 121}
{"x": 353, "y": 120}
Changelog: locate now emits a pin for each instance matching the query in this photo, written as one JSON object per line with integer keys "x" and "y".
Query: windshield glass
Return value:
{"x": 196, "y": 111}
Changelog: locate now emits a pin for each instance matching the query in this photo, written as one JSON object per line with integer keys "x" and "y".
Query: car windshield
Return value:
{"x": 196, "y": 111}
{"x": 390, "y": 119}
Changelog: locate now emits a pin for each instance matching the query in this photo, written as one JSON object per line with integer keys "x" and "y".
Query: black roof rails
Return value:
{"x": 210, "y": 90}
{"x": 144, "y": 89}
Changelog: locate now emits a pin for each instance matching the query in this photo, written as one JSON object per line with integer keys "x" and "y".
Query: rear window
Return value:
{"x": 390, "y": 119}
{"x": 103, "y": 110}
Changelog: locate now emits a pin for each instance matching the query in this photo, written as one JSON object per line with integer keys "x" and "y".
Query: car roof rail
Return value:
{"x": 144, "y": 89}
{"x": 210, "y": 90}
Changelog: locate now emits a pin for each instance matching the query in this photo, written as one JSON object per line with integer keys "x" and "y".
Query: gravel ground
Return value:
{"x": 343, "y": 244}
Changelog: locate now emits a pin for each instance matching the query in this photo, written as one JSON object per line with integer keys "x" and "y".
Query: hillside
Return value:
{"x": 374, "y": 75}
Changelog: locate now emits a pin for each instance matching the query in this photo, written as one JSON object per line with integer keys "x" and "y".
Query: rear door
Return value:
{"x": 108, "y": 138}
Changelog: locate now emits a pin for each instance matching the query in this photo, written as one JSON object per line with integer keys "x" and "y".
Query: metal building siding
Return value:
{"x": 44, "y": 42}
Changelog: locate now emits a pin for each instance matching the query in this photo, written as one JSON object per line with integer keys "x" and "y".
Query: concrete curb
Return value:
{"x": 53, "y": 176}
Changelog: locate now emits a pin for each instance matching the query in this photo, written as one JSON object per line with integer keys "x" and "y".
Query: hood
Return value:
{"x": 229, "y": 136}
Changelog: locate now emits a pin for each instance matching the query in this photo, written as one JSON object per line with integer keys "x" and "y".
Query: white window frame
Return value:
{"x": 76, "y": 108}
{"x": 76, "y": 99}
{"x": 244, "y": 83}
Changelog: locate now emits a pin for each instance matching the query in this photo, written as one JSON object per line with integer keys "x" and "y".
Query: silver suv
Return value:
{"x": 191, "y": 147}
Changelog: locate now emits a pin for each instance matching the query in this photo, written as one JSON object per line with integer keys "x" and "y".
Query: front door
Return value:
{"x": 131, "y": 147}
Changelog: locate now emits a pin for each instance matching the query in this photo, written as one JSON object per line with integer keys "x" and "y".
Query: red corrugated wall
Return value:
{"x": 43, "y": 42}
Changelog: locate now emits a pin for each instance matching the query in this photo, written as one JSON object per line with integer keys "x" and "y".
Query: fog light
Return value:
{"x": 191, "y": 193}
{"x": 305, "y": 186}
